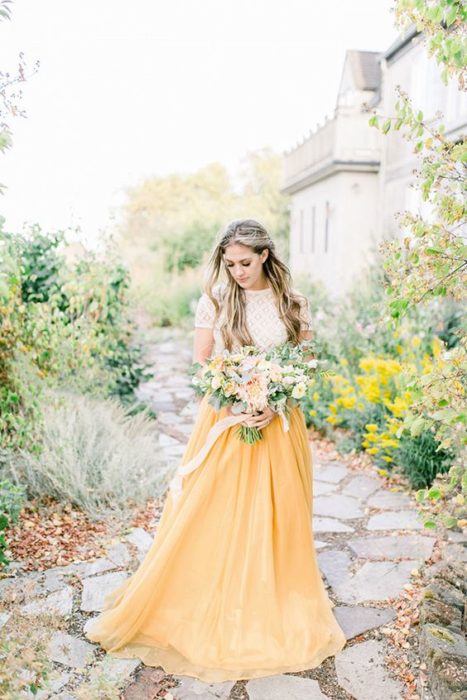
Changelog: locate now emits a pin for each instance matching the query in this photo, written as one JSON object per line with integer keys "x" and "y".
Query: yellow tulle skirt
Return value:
{"x": 230, "y": 588}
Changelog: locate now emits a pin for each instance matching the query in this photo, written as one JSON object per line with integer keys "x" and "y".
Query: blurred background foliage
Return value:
{"x": 170, "y": 224}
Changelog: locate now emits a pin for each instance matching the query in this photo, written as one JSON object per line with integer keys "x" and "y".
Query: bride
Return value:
{"x": 230, "y": 588}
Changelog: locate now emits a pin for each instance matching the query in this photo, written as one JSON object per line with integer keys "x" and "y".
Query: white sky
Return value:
{"x": 128, "y": 89}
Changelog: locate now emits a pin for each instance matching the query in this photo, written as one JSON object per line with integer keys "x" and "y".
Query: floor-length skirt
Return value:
{"x": 230, "y": 587}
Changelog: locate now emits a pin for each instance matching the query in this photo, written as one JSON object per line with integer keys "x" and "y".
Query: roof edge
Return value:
{"x": 400, "y": 42}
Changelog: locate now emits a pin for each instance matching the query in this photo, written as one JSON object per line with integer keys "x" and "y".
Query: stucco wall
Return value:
{"x": 352, "y": 228}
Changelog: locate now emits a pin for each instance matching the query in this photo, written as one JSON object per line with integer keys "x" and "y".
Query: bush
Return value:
{"x": 377, "y": 372}
{"x": 41, "y": 265}
{"x": 189, "y": 247}
{"x": 12, "y": 498}
{"x": 92, "y": 454}
{"x": 173, "y": 298}
{"x": 443, "y": 505}
{"x": 62, "y": 324}
{"x": 421, "y": 459}
{"x": 26, "y": 667}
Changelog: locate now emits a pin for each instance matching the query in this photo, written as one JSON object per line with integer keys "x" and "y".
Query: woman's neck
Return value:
{"x": 260, "y": 285}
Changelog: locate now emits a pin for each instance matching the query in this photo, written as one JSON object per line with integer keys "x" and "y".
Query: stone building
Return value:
{"x": 346, "y": 180}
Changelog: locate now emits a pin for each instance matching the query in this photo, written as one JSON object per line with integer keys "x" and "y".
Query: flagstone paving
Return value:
{"x": 369, "y": 542}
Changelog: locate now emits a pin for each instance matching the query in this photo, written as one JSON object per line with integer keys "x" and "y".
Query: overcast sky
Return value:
{"x": 126, "y": 90}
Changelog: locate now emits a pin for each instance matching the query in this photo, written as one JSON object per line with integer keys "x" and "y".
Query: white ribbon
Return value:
{"x": 176, "y": 483}
{"x": 216, "y": 430}
{"x": 285, "y": 422}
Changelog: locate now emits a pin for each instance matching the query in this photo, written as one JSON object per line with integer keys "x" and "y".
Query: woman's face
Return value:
{"x": 245, "y": 266}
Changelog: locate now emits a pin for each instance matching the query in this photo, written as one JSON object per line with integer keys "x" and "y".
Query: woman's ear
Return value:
{"x": 264, "y": 255}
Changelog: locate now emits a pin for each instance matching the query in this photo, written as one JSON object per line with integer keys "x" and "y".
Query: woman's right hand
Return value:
{"x": 230, "y": 413}
{"x": 245, "y": 422}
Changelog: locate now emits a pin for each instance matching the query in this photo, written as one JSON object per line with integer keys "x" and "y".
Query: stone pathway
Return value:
{"x": 368, "y": 542}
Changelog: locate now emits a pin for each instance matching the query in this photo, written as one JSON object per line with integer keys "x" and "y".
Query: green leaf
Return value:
{"x": 440, "y": 291}
{"x": 386, "y": 126}
{"x": 429, "y": 524}
{"x": 435, "y": 14}
{"x": 450, "y": 521}
{"x": 459, "y": 58}
{"x": 451, "y": 15}
{"x": 418, "y": 426}
{"x": 444, "y": 414}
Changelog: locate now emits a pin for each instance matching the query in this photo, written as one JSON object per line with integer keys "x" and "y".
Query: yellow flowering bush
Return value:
{"x": 372, "y": 401}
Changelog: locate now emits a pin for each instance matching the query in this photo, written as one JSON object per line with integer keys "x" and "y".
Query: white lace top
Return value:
{"x": 262, "y": 316}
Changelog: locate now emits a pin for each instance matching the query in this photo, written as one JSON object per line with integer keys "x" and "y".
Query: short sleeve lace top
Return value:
{"x": 265, "y": 325}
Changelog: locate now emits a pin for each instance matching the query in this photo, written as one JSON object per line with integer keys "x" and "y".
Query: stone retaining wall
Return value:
{"x": 443, "y": 624}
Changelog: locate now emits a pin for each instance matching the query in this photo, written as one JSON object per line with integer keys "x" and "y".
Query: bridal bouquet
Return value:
{"x": 249, "y": 380}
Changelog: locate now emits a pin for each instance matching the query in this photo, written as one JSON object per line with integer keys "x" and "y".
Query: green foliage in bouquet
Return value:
{"x": 248, "y": 380}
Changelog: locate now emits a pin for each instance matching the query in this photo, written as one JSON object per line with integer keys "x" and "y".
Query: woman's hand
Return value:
{"x": 261, "y": 420}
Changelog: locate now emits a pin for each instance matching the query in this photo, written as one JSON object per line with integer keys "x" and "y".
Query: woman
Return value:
{"x": 230, "y": 588}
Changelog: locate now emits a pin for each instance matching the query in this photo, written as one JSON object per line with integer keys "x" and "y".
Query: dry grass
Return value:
{"x": 93, "y": 455}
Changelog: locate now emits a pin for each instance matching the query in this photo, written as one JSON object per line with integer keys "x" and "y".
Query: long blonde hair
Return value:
{"x": 251, "y": 233}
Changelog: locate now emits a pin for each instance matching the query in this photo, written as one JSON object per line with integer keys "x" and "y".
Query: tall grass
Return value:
{"x": 94, "y": 455}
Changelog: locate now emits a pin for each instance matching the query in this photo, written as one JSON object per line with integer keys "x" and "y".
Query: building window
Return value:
{"x": 302, "y": 231}
{"x": 313, "y": 228}
{"x": 326, "y": 227}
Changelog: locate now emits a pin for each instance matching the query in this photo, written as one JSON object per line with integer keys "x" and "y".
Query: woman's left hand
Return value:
{"x": 261, "y": 420}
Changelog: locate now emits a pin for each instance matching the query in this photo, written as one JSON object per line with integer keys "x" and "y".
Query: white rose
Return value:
{"x": 298, "y": 392}
{"x": 216, "y": 382}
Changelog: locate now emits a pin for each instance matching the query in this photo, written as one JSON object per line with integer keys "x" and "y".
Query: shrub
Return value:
{"x": 26, "y": 667}
{"x": 18, "y": 405}
{"x": 62, "y": 324}
{"x": 41, "y": 265}
{"x": 189, "y": 247}
{"x": 92, "y": 454}
{"x": 316, "y": 404}
{"x": 443, "y": 505}
{"x": 421, "y": 459}
{"x": 378, "y": 373}
{"x": 12, "y": 498}
{"x": 173, "y": 298}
